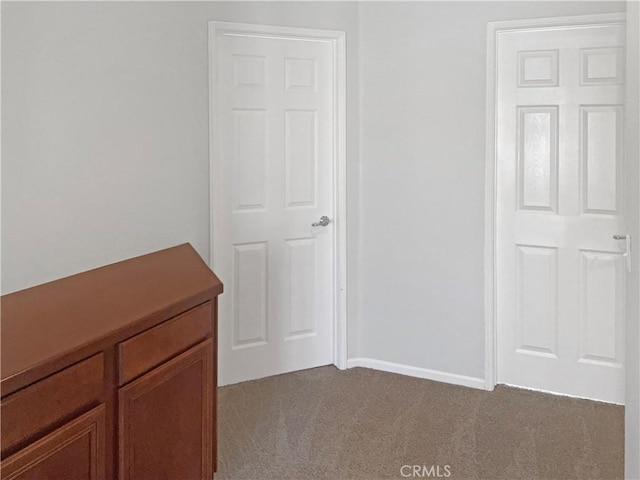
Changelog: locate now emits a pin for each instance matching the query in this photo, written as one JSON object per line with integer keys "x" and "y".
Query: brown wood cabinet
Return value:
{"x": 111, "y": 373}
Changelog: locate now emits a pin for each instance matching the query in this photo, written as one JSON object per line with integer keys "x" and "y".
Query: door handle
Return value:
{"x": 626, "y": 254}
{"x": 324, "y": 221}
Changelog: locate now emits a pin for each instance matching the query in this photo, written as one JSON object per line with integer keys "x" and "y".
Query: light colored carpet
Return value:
{"x": 363, "y": 424}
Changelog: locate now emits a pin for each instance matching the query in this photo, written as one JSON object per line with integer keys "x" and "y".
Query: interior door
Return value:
{"x": 273, "y": 231}
{"x": 561, "y": 274}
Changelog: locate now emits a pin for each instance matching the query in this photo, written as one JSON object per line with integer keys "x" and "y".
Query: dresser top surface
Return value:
{"x": 47, "y": 327}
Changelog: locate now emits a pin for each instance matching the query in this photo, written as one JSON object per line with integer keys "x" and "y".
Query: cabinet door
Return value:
{"x": 73, "y": 452}
{"x": 166, "y": 419}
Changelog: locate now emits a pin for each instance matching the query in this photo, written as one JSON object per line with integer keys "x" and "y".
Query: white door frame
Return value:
{"x": 494, "y": 29}
{"x": 339, "y": 214}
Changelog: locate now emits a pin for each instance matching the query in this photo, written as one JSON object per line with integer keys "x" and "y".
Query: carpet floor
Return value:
{"x": 363, "y": 424}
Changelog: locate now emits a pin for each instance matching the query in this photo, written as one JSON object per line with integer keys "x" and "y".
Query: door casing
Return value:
{"x": 339, "y": 214}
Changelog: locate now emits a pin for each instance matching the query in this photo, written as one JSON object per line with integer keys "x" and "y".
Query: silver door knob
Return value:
{"x": 324, "y": 221}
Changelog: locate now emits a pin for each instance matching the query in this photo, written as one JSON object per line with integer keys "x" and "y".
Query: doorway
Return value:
{"x": 277, "y": 132}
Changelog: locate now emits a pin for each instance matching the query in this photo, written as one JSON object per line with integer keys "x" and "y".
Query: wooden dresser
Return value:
{"x": 111, "y": 373}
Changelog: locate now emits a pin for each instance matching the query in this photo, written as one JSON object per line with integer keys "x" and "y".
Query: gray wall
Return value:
{"x": 423, "y": 158}
{"x": 105, "y": 128}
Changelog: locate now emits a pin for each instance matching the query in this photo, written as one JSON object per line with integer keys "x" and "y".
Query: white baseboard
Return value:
{"x": 418, "y": 372}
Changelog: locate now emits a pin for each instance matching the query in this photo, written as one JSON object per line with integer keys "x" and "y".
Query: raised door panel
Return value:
{"x": 601, "y": 142}
{"x": 536, "y": 299}
{"x": 249, "y": 294}
{"x": 602, "y": 286}
{"x": 75, "y": 451}
{"x": 301, "y": 157}
{"x": 537, "y": 158}
{"x": 538, "y": 68}
{"x": 166, "y": 420}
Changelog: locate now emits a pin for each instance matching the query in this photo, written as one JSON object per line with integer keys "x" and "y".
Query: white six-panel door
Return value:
{"x": 274, "y": 136}
{"x": 560, "y": 273}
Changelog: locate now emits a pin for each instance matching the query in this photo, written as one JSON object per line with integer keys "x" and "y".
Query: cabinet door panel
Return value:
{"x": 73, "y": 452}
{"x": 166, "y": 419}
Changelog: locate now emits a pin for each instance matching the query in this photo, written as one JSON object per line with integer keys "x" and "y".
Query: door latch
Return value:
{"x": 626, "y": 254}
